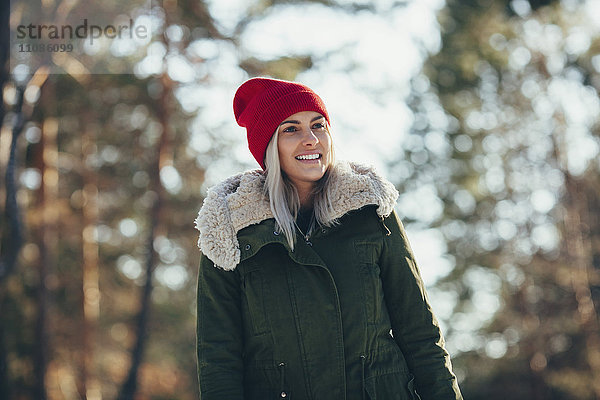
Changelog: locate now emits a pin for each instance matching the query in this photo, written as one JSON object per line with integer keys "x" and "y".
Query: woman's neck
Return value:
{"x": 306, "y": 196}
{"x": 306, "y": 203}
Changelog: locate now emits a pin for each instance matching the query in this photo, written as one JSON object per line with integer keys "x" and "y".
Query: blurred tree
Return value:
{"x": 91, "y": 180}
{"x": 163, "y": 158}
{"x": 45, "y": 161}
{"x": 11, "y": 232}
{"x": 90, "y": 275}
{"x": 11, "y": 228}
{"x": 496, "y": 106}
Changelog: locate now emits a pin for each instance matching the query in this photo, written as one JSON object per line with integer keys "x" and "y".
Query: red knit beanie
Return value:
{"x": 261, "y": 104}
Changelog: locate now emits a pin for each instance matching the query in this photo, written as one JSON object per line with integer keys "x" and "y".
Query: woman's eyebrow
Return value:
{"x": 293, "y": 121}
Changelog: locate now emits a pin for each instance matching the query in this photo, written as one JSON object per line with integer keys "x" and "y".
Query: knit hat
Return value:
{"x": 261, "y": 104}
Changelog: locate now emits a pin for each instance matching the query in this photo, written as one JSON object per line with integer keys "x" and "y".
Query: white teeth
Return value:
{"x": 309, "y": 157}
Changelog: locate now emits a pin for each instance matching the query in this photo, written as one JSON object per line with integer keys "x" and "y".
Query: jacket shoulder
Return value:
{"x": 358, "y": 185}
{"x": 225, "y": 211}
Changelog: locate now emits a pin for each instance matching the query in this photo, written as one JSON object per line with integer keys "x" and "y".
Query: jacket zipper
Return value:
{"x": 387, "y": 230}
{"x": 282, "y": 393}
{"x": 306, "y": 237}
{"x": 362, "y": 362}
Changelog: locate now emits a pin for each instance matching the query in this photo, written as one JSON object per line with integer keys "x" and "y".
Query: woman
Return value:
{"x": 307, "y": 287}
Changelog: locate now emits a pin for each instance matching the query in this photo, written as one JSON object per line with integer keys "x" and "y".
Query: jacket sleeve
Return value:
{"x": 414, "y": 327}
{"x": 219, "y": 334}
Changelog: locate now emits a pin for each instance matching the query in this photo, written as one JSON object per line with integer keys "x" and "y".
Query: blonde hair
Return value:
{"x": 283, "y": 196}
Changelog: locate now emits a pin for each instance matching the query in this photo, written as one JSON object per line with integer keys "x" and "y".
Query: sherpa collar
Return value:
{"x": 239, "y": 202}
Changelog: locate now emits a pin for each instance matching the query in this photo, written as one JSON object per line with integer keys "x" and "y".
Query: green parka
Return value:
{"x": 342, "y": 316}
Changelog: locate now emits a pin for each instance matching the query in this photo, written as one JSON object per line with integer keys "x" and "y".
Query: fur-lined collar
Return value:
{"x": 238, "y": 202}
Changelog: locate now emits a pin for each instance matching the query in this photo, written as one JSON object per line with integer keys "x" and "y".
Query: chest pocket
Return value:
{"x": 253, "y": 301}
{"x": 367, "y": 254}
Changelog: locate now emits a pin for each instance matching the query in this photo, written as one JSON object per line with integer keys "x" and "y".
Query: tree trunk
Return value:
{"x": 579, "y": 256}
{"x": 47, "y": 163}
{"x": 579, "y": 253}
{"x": 11, "y": 232}
{"x": 89, "y": 384}
{"x": 129, "y": 387}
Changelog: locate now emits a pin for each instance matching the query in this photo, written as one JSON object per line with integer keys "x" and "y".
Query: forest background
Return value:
{"x": 485, "y": 115}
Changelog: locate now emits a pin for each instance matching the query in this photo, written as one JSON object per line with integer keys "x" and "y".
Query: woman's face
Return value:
{"x": 304, "y": 148}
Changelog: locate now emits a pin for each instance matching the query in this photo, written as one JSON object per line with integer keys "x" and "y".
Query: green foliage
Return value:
{"x": 507, "y": 158}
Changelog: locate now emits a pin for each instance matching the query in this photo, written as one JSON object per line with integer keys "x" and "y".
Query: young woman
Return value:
{"x": 308, "y": 288}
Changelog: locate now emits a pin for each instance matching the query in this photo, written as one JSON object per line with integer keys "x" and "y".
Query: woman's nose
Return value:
{"x": 309, "y": 138}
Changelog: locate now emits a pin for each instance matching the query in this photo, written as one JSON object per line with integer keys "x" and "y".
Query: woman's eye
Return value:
{"x": 319, "y": 125}
{"x": 289, "y": 129}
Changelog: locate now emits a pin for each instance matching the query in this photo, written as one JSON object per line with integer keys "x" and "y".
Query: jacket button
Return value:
{"x": 283, "y": 395}
{"x": 247, "y": 247}
{"x": 275, "y": 233}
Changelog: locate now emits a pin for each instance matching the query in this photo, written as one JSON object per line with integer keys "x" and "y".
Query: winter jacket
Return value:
{"x": 344, "y": 315}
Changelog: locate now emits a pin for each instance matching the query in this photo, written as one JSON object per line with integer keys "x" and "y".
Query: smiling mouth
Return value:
{"x": 309, "y": 157}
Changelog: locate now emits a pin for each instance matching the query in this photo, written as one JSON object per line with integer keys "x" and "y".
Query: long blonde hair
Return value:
{"x": 283, "y": 196}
